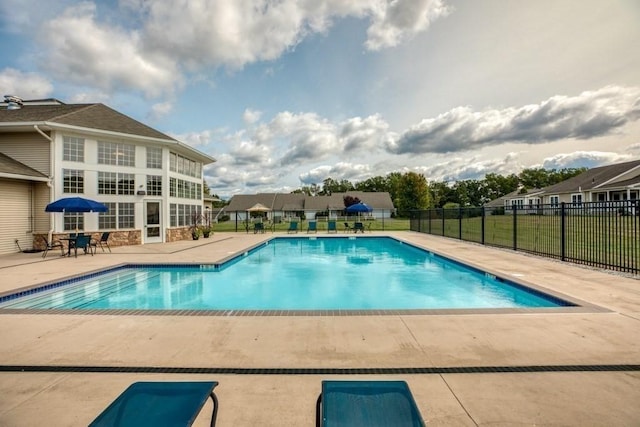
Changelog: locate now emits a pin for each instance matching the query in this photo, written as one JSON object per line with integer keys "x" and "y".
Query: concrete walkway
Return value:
{"x": 569, "y": 368}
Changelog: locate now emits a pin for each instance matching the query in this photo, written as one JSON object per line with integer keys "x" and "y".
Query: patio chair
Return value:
{"x": 104, "y": 241}
{"x": 258, "y": 228}
{"x": 347, "y": 227}
{"x": 52, "y": 245}
{"x": 293, "y": 227}
{"x": 82, "y": 242}
{"x": 367, "y": 403}
{"x": 358, "y": 226}
{"x": 312, "y": 227}
{"x": 159, "y": 404}
{"x": 331, "y": 227}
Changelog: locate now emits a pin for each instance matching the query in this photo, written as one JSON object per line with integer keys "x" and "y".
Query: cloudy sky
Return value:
{"x": 285, "y": 93}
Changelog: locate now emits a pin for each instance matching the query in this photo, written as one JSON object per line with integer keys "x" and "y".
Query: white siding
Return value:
{"x": 15, "y": 216}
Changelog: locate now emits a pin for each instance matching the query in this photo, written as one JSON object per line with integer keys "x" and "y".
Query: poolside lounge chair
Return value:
{"x": 331, "y": 227}
{"x": 358, "y": 226}
{"x": 52, "y": 245}
{"x": 293, "y": 227}
{"x": 104, "y": 241}
{"x": 367, "y": 403}
{"x": 159, "y": 404}
{"x": 312, "y": 227}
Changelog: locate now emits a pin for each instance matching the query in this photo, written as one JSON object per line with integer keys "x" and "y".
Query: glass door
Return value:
{"x": 152, "y": 226}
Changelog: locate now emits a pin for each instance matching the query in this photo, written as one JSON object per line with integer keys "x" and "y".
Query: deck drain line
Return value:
{"x": 324, "y": 371}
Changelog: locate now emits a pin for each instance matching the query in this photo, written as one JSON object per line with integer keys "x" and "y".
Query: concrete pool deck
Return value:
{"x": 567, "y": 368}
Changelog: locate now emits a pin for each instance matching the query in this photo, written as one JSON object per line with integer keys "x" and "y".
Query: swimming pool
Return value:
{"x": 332, "y": 273}
{"x": 310, "y": 273}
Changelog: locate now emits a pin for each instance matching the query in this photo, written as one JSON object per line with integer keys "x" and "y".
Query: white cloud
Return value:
{"x": 588, "y": 115}
{"x": 251, "y": 116}
{"x": 161, "y": 109}
{"x": 589, "y": 159}
{"x": 24, "y": 85}
{"x": 341, "y": 170}
{"x": 363, "y": 134}
{"x": 84, "y": 51}
{"x": 194, "y": 139}
{"x": 399, "y": 20}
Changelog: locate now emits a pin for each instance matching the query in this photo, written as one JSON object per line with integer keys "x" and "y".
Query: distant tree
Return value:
{"x": 205, "y": 188}
{"x": 374, "y": 184}
{"x": 498, "y": 185}
{"x": 330, "y": 186}
{"x": 441, "y": 193}
{"x": 413, "y": 193}
{"x": 350, "y": 200}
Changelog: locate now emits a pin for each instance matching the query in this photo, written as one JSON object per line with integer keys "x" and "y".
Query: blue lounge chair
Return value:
{"x": 331, "y": 227}
{"x": 159, "y": 404}
{"x": 312, "y": 228}
{"x": 367, "y": 404}
{"x": 293, "y": 227}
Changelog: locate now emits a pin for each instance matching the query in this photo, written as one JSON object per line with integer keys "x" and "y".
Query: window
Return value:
{"x": 73, "y": 149}
{"x": 72, "y": 181}
{"x": 107, "y": 183}
{"x": 173, "y": 192}
{"x": 119, "y": 216}
{"x": 173, "y": 212}
{"x": 576, "y": 199}
{"x": 107, "y": 220}
{"x": 126, "y": 215}
{"x": 554, "y": 200}
{"x": 154, "y": 185}
{"x": 154, "y": 158}
{"x": 126, "y": 184}
{"x": 182, "y": 165}
{"x": 73, "y": 221}
{"x": 119, "y": 154}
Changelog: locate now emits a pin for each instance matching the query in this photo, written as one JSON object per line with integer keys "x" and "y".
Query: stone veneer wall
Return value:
{"x": 116, "y": 238}
{"x": 176, "y": 234}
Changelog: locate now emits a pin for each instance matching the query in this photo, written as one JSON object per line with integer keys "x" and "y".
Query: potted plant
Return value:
{"x": 195, "y": 233}
{"x": 206, "y": 231}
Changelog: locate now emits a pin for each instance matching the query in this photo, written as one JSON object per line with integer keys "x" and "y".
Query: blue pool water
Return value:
{"x": 297, "y": 274}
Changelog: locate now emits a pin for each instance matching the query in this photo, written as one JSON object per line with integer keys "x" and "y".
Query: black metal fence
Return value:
{"x": 599, "y": 234}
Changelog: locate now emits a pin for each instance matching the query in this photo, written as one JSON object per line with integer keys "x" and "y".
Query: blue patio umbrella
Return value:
{"x": 76, "y": 204}
{"x": 359, "y": 207}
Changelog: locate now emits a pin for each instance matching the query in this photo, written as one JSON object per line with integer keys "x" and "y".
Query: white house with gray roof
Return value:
{"x": 284, "y": 206}
{"x": 151, "y": 182}
{"x": 611, "y": 183}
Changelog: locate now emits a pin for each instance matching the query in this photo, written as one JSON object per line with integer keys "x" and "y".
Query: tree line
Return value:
{"x": 411, "y": 190}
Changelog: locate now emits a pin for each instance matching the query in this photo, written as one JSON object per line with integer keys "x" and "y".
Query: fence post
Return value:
{"x": 483, "y": 218}
{"x": 515, "y": 227}
{"x": 563, "y": 227}
{"x": 430, "y": 217}
{"x": 419, "y": 221}
{"x": 460, "y": 222}
{"x": 443, "y": 212}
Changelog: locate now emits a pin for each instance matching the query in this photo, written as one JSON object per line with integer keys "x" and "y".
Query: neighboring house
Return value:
{"x": 294, "y": 205}
{"x": 610, "y": 183}
{"x": 151, "y": 182}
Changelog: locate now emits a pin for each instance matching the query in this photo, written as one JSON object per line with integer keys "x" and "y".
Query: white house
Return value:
{"x": 151, "y": 182}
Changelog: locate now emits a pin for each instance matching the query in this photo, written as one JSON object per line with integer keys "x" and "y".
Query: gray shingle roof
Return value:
{"x": 592, "y": 178}
{"x": 92, "y": 116}
{"x": 11, "y": 166}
